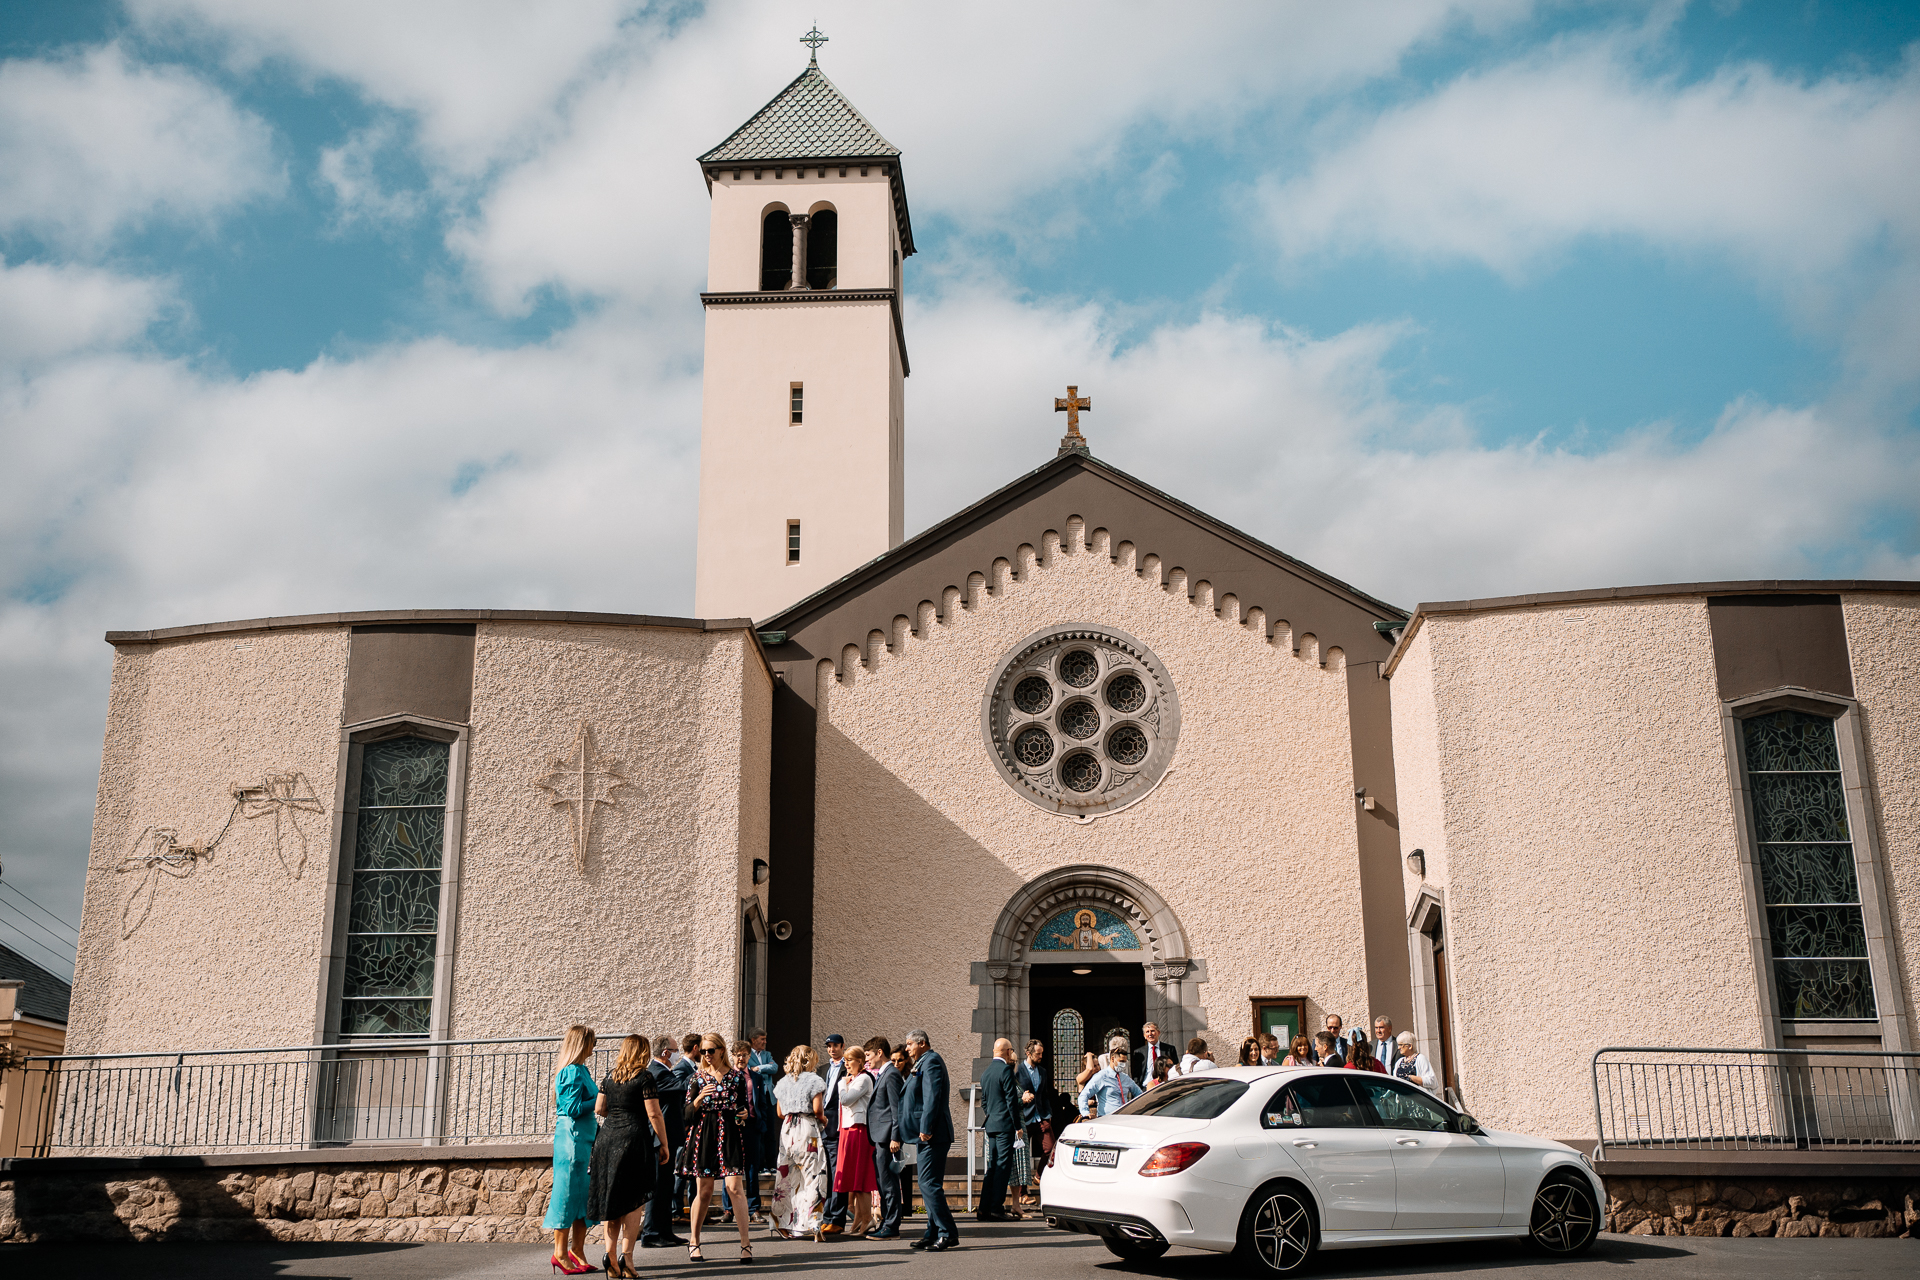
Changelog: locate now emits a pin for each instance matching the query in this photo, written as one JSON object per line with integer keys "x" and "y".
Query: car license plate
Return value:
{"x": 1098, "y": 1157}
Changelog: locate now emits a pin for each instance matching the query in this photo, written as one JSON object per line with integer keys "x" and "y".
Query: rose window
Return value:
{"x": 1081, "y": 720}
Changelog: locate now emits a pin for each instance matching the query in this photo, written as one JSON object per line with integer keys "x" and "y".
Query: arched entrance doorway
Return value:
{"x": 1077, "y": 952}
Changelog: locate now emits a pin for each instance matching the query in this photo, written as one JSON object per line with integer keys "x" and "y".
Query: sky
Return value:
{"x": 357, "y": 305}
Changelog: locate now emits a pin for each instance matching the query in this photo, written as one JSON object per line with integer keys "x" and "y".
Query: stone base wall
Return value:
{"x": 1778, "y": 1207}
{"x": 480, "y": 1201}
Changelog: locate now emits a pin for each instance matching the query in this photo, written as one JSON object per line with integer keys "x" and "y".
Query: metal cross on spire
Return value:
{"x": 1072, "y": 405}
{"x": 813, "y": 40}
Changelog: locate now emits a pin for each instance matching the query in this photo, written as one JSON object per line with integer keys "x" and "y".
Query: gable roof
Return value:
{"x": 1078, "y": 484}
{"x": 45, "y": 994}
{"x": 810, "y": 119}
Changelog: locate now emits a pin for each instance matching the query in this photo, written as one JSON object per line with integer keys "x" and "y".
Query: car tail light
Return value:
{"x": 1052, "y": 1151}
{"x": 1172, "y": 1159}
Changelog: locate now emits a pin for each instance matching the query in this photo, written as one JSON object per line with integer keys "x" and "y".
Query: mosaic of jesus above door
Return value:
{"x": 1085, "y": 929}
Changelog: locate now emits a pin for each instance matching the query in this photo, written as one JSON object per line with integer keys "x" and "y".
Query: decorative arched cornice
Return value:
{"x": 1036, "y": 902}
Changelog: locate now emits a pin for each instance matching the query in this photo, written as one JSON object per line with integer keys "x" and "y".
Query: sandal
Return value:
{"x": 746, "y": 1251}
{"x": 694, "y": 1254}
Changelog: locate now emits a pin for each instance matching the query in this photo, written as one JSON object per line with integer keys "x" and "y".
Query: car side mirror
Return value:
{"x": 1464, "y": 1123}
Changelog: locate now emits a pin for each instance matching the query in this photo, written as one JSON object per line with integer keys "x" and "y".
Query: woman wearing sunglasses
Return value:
{"x": 716, "y": 1138}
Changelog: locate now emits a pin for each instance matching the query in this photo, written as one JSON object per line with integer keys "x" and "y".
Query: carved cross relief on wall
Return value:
{"x": 581, "y": 780}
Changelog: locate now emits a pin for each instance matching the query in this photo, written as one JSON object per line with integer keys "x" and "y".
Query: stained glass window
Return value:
{"x": 1034, "y": 747}
{"x": 1080, "y": 771}
{"x": 1079, "y": 668}
{"x": 1069, "y": 1042}
{"x": 393, "y": 906}
{"x": 1805, "y": 855}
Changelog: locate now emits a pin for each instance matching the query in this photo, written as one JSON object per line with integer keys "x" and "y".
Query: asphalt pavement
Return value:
{"x": 1013, "y": 1251}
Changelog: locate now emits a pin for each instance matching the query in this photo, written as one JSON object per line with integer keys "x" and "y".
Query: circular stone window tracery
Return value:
{"x": 1081, "y": 720}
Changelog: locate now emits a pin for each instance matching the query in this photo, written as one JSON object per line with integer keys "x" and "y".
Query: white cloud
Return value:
{"x": 613, "y": 204}
{"x": 352, "y": 171}
{"x": 49, "y": 311}
{"x": 480, "y": 75}
{"x": 1808, "y": 185}
{"x": 92, "y": 143}
{"x": 1301, "y": 441}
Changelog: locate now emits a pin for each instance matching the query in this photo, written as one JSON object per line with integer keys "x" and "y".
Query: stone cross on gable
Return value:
{"x": 1071, "y": 405}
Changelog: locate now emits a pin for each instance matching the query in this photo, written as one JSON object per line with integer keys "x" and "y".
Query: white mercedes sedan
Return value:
{"x": 1276, "y": 1163}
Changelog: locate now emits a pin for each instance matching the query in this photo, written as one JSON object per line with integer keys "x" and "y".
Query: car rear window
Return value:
{"x": 1186, "y": 1099}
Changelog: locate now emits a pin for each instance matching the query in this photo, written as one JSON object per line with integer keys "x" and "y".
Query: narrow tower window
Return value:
{"x": 776, "y": 250}
{"x": 823, "y": 242}
{"x": 796, "y": 392}
{"x": 793, "y": 542}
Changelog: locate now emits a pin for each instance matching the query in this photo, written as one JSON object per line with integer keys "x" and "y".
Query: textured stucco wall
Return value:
{"x": 920, "y": 843}
{"x": 228, "y": 956}
{"x": 647, "y": 938}
{"x": 1416, "y": 765}
{"x": 1883, "y": 637}
{"x": 1591, "y": 860}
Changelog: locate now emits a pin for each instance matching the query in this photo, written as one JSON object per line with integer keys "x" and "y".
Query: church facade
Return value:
{"x": 1075, "y": 758}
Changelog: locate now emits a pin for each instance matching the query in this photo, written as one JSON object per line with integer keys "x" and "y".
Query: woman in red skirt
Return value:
{"x": 854, "y": 1175}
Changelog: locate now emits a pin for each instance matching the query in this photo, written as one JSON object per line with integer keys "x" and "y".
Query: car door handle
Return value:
{"x": 1302, "y": 1142}
{"x": 1407, "y": 1142}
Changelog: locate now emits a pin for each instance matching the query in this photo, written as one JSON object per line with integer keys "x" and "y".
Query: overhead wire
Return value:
{"x": 27, "y": 898}
{"x": 62, "y": 961}
{"x": 35, "y": 924}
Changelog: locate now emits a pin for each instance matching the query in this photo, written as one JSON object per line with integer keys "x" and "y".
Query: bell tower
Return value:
{"x": 802, "y": 418}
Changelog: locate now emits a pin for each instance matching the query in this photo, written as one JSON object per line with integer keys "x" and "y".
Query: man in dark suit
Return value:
{"x": 927, "y": 1112}
{"x": 1000, "y": 1099}
{"x": 1149, "y": 1053}
{"x": 657, "y": 1229}
{"x": 684, "y": 1188}
{"x": 883, "y": 1126}
{"x": 833, "y": 1071}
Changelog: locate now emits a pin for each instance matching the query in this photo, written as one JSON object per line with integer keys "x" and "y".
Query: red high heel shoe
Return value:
{"x": 566, "y": 1266}
{"x": 581, "y": 1266}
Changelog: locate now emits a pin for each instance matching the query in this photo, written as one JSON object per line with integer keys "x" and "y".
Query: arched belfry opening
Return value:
{"x": 823, "y": 248}
{"x": 1079, "y": 953}
{"x": 776, "y": 249}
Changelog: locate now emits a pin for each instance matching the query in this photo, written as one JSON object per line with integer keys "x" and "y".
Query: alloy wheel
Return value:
{"x": 1564, "y": 1219}
{"x": 1283, "y": 1232}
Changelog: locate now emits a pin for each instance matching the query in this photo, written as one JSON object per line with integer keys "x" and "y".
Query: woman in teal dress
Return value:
{"x": 573, "y": 1132}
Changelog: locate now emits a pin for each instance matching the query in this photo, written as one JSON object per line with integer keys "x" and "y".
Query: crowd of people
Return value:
{"x": 1108, "y": 1081}
{"x": 847, "y": 1132}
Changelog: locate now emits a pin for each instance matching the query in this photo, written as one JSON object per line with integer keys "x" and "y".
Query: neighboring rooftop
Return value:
{"x": 45, "y": 995}
{"x": 810, "y": 119}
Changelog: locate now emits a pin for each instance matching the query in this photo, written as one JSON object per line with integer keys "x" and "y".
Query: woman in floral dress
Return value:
{"x": 716, "y": 1138}
{"x": 803, "y": 1154}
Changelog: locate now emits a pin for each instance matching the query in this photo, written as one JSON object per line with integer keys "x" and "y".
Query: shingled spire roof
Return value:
{"x": 810, "y": 119}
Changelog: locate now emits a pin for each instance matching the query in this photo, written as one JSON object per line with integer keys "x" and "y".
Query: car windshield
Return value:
{"x": 1186, "y": 1099}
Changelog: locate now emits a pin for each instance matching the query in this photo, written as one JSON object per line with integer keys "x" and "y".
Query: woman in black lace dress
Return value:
{"x": 620, "y": 1176}
{"x": 716, "y": 1138}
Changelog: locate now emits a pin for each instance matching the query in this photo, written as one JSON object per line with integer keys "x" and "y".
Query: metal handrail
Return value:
{"x": 308, "y": 1048}
{"x": 426, "y": 1092}
{"x": 1806, "y": 1099}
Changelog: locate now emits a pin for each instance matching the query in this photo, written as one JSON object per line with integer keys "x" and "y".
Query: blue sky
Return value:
{"x": 356, "y": 305}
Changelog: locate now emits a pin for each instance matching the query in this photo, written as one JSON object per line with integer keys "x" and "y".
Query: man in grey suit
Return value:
{"x": 883, "y": 1126}
{"x": 1000, "y": 1098}
{"x": 927, "y": 1113}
